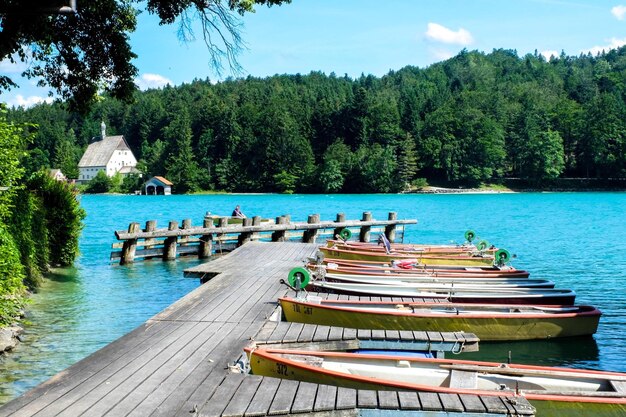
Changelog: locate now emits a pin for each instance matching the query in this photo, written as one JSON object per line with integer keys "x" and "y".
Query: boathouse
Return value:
{"x": 158, "y": 186}
{"x": 110, "y": 154}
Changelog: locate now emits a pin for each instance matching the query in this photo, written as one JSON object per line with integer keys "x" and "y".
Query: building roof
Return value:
{"x": 99, "y": 153}
{"x": 162, "y": 180}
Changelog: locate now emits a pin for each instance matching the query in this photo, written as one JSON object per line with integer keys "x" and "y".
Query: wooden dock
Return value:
{"x": 219, "y": 235}
{"x": 180, "y": 362}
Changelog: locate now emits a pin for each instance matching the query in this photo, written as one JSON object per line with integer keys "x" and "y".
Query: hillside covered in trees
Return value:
{"x": 471, "y": 119}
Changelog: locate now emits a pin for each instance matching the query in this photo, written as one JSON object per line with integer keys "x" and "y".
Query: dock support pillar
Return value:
{"x": 364, "y": 235}
{"x": 206, "y": 241}
{"x": 130, "y": 246}
{"x": 390, "y": 230}
{"x": 310, "y": 235}
{"x": 341, "y": 217}
{"x": 184, "y": 239}
{"x": 279, "y": 235}
{"x": 169, "y": 246}
{"x": 245, "y": 236}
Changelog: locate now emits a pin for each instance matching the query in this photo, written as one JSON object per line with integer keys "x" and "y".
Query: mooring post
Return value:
{"x": 364, "y": 235}
{"x": 150, "y": 226}
{"x": 310, "y": 235}
{"x": 169, "y": 246}
{"x": 279, "y": 235}
{"x": 130, "y": 245}
{"x": 390, "y": 230}
{"x": 256, "y": 221}
{"x": 341, "y": 217}
{"x": 244, "y": 237}
{"x": 183, "y": 241}
{"x": 206, "y": 241}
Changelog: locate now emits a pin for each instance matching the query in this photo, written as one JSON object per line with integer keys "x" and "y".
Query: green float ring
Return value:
{"x": 470, "y": 235}
{"x": 345, "y": 234}
{"x": 482, "y": 245}
{"x": 299, "y": 274}
{"x": 502, "y": 256}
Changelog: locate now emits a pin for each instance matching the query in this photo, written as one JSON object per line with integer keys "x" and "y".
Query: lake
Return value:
{"x": 574, "y": 239}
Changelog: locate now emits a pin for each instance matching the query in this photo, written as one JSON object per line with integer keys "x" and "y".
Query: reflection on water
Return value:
{"x": 574, "y": 239}
{"x": 575, "y": 352}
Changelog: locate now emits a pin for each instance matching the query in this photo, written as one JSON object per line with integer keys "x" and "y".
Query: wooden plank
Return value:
{"x": 388, "y": 400}
{"x": 349, "y": 334}
{"x": 378, "y": 334}
{"x": 305, "y": 398}
{"x": 222, "y": 396}
{"x": 494, "y": 404}
{"x": 293, "y": 332}
{"x": 363, "y": 334}
{"x": 406, "y": 335}
{"x": 336, "y": 333}
{"x": 306, "y": 335}
{"x": 409, "y": 400}
{"x": 430, "y": 401}
{"x": 346, "y": 398}
{"x": 472, "y": 403}
{"x": 321, "y": 333}
{"x": 325, "y": 399}
{"x": 266, "y": 331}
{"x": 242, "y": 398}
{"x": 451, "y": 402}
{"x": 367, "y": 399}
{"x": 392, "y": 335}
{"x": 263, "y": 398}
{"x": 284, "y": 397}
{"x": 279, "y": 333}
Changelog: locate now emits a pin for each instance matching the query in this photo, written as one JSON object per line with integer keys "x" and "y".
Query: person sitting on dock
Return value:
{"x": 238, "y": 213}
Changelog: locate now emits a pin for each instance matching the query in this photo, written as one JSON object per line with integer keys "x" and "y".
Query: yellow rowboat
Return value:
{"x": 488, "y": 322}
{"x": 407, "y": 267}
{"x": 411, "y": 248}
{"x": 552, "y": 391}
{"x": 452, "y": 259}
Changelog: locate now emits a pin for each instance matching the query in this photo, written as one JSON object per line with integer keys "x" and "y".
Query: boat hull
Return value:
{"x": 422, "y": 259}
{"x": 547, "y": 296}
{"x": 547, "y": 405}
{"x": 504, "y": 327}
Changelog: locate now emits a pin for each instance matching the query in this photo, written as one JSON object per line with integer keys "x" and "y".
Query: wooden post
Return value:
{"x": 364, "y": 235}
{"x": 169, "y": 246}
{"x": 279, "y": 235}
{"x": 390, "y": 230}
{"x": 223, "y": 222}
{"x": 341, "y": 217}
{"x": 256, "y": 221}
{"x": 130, "y": 245}
{"x": 310, "y": 235}
{"x": 183, "y": 241}
{"x": 150, "y": 226}
{"x": 206, "y": 241}
{"x": 244, "y": 237}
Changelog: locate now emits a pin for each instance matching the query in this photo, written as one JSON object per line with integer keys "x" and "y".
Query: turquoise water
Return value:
{"x": 574, "y": 239}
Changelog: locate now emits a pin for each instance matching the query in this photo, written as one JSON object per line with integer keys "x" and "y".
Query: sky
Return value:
{"x": 357, "y": 37}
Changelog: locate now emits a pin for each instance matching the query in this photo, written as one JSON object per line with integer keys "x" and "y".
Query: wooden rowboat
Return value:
{"x": 408, "y": 267}
{"x": 439, "y": 282}
{"x": 490, "y": 322}
{"x": 452, "y": 259}
{"x": 552, "y": 391}
{"x": 544, "y": 296}
{"x": 409, "y": 248}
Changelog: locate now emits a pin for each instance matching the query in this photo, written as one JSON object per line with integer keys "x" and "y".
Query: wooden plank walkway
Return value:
{"x": 176, "y": 364}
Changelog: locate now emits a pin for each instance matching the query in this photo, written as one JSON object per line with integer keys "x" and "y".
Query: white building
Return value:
{"x": 110, "y": 154}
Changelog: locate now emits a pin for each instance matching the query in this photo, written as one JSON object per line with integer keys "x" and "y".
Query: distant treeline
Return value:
{"x": 471, "y": 119}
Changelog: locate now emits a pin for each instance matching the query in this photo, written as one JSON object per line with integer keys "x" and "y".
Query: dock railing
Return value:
{"x": 203, "y": 241}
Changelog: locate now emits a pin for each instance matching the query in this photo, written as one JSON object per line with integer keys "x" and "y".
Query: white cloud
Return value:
{"x": 548, "y": 54}
{"x": 614, "y": 43}
{"x": 21, "y": 101}
{"x": 8, "y": 67}
{"x": 147, "y": 81}
{"x": 619, "y": 12}
{"x": 440, "y": 33}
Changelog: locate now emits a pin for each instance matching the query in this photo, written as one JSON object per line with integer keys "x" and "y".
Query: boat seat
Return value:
{"x": 463, "y": 379}
{"x": 619, "y": 386}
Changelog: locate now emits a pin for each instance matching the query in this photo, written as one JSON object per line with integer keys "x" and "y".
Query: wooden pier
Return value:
{"x": 210, "y": 238}
{"x": 181, "y": 361}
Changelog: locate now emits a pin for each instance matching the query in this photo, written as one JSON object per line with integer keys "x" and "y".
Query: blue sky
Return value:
{"x": 357, "y": 37}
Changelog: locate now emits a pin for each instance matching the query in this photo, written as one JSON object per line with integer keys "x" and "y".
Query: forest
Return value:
{"x": 472, "y": 119}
